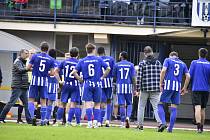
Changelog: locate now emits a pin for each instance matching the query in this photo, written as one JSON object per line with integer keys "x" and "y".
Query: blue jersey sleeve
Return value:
{"x": 114, "y": 71}
{"x": 185, "y": 69}
{"x": 61, "y": 65}
{"x": 191, "y": 68}
{"x": 32, "y": 60}
{"x": 103, "y": 64}
{"x": 133, "y": 71}
{"x": 166, "y": 63}
{"x": 52, "y": 64}
{"x": 79, "y": 66}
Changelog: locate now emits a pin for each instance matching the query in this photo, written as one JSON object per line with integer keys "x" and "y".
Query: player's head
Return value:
{"x": 74, "y": 52}
{"x": 101, "y": 51}
{"x": 31, "y": 53}
{"x": 44, "y": 46}
{"x": 148, "y": 51}
{"x": 203, "y": 53}
{"x": 24, "y": 54}
{"x": 52, "y": 53}
{"x": 90, "y": 48}
{"x": 67, "y": 55}
{"x": 123, "y": 55}
{"x": 174, "y": 54}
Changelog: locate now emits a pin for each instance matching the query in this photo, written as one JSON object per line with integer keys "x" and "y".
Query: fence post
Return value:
{"x": 154, "y": 19}
{"x": 55, "y": 12}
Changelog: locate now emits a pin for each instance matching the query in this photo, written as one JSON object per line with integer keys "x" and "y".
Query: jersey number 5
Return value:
{"x": 42, "y": 65}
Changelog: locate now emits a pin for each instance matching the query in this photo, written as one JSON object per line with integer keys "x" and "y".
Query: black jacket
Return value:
{"x": 19, "y": 74}
{"x": 0, "y": 76}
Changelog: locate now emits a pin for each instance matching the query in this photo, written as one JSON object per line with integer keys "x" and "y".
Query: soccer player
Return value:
{"x": 91, "y": 68}
{"x": 125, "y": 75}
{"x": 170, "y": 86}
{"x": 200, "y": 78}
{"x": 42, "y": 65}
{"x": 52, "y": 88}
{"x": 70, "y": 88}
{"x": 106, "y": 88}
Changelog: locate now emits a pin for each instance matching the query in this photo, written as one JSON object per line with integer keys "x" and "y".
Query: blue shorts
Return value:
{"x": 38, "y": 91}
{"x": 170, "y": 96}
{"x": 92, "y": 94}
{"x": 51, "y": 96}
{"x": 70, "y": 92}
{"x": 106, "y": 94}
{"x": 125, "y": 99}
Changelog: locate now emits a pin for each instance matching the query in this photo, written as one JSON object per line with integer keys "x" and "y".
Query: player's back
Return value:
{"x": 91, "y": 67}
{"x": 124, "y": 72}
{"x": 52, "y": 79}
{"x": 200, "y": 74}
{"x": 42, "y": 63}
{"x": 68, "y": 66}
{"x": 107, "y": 82}
{"x": 174, "y": 73}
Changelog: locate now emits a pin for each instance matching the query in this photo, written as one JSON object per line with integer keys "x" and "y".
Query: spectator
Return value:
{"x": 19, "y": 86}
{"x": 0, "y": 77}
{"x": 148, "y": 80}
{"x": 200, "y": 79}
{"x": 75, "y": 6}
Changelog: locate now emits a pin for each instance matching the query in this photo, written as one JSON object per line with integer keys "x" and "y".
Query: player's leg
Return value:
{"x": 49, "y": 110}
{"x": 43, "y": 100}
{"x": 108, "y": 106}
{"x": 88, "y": 98}
{"x": 129, "y": 102}
{"x": 204, "y": 99}
{"x": 164, "y": 98}
{"x": 64, "y": 99}
{"x": 196, "y": 99}
{"x": 121, "y": 102}
{"x": 103, "y": 106}
{"x": 175, "y": 100}
{"x": 97, "y": 104}
{"x": 33, "y": 93}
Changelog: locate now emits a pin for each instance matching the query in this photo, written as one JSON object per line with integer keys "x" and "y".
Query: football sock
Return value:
{"x": 172, "y": 118}
{"x": 60, "y": 113}
{"x": 161, "y": 113}
{"x": 122, "y": 114}
{"x": 31, "y": 109}
{"x": 71, "y": 114}
{"x": 49, "y": 111}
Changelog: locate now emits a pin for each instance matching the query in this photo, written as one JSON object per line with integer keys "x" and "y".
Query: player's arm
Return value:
{"x": 162, "y": 76}
{"x": 134, "y": 86}
{"x": 76, "y": 75}
{"x": 51, "y": 72}
{"x": 186, "y": 83}
{"x": 57, "y": 76}
{"x": 106, "y": 72}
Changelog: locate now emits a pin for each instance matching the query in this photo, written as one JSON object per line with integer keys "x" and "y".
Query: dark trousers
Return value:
{"x": 16, "y": 94}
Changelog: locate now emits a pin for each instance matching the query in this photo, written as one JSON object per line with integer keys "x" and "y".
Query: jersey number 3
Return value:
{"x": 176, "y": 71}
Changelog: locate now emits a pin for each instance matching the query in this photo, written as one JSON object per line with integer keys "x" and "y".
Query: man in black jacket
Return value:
{"x": 19, "y": 86}
{"x": 0, "y": 77}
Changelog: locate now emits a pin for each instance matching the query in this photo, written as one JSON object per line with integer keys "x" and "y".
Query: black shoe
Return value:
{"x": 127, "y": 123}
{"x": 20, "y": 121}
{"x": 162, "y": 127}
{"x": 2, "y": 121}
{"x": 47, "y": 123}
{"x": 140, "y": 128}
{"x": 34, "y": 122}
{"x": 199, "y": 128}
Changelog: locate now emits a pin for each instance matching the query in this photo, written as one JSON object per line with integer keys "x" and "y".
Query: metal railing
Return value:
{"x": 134, "y": 12}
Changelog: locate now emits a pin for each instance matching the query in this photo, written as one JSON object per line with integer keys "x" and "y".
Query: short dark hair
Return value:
{"x": 90, "y": 47}
{"x": 101, "y": 50}
{"x": 173, "y": 53}
{"x": 74, "y": 52}
{"x": 44, "y": 46}
{"x": 203, "y": 52}
{"x": 52, "y": 53}
{"x": 23, "y": 51}
{"x": 124, "y": 55}
{"x": 148, "y": 49}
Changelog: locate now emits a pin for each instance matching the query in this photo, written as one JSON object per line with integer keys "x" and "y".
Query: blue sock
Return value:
{"x": 96, "y": 114}
{"x": 161, "y": 113}
{"x": 60, "y": 113}
{"x": 172, "y": 118}
{"x": 129, "y": 110}
{"x": 103, "y": 111}
{"x": 43, "y": 112}
{"x": 78, "y": 113}
{"x": 49, "y": 111}
{"x": 108, "y": 111}
{"x": 31, "y": 109}
{"x": 89, "y": 114}
{"x": 122, "y": 114}
{"x": 71, "y": 114}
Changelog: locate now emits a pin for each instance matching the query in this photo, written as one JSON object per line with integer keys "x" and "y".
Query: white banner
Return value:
{"x": 201, "y": 13}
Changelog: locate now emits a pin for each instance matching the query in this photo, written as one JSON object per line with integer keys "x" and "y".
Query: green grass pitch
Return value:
{"x": 12, "y": 131}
